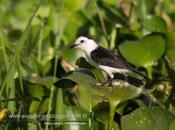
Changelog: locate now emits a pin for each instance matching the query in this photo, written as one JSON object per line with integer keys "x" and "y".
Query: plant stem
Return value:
{"x": 112, "y": 106}
{"x": 6, "y": 77}
{"x": 50, "y": 106}
{"x": 130, "y": 10}
{"x": 4, "y": 50}
{"x": 40, "y": 42}
{"x": 18, "y": 64}
{"x": 58, "y": 38}
{"x": 101, "y": 20}
{"x": 149, "y": 71}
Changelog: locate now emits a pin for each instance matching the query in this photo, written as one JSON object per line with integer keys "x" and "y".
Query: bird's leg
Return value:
{"x": 110, "y": 82}
{"x": 104, "y": 83}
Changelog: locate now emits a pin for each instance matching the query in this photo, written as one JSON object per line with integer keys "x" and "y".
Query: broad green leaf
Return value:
{"x": 95, "y": 94}
{"x": 170, "y": 49}
{"x": 82, "y": 63}
{"x": 80, "y": 78}
{"x": 72, "y": 55}
{"x": 122, "y": 93}
{"x": 87, "y": 86}
{"x": 155, "y": 24}
{"x": 144, "y": 52}
{"x": 74, "y": 22}
{"x": 153, "y": 118}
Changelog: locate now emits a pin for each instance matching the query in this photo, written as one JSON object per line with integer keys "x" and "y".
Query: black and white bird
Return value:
{"x": 104, "y": 59}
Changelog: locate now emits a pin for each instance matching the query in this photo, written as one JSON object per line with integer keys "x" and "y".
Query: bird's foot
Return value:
{"x": 110, "y": 84}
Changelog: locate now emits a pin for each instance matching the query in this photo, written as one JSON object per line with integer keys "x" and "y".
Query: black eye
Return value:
{"x": 81, "y": 41}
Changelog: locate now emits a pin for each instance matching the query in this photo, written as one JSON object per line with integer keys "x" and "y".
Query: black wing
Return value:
{"x": 105, "y": 57}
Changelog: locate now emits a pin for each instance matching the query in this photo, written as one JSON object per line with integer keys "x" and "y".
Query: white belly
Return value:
{"x": 107, "y": 69}
{"x": 110, "y": 71}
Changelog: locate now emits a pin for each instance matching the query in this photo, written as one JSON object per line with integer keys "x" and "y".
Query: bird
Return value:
{"x": 104, "y": 59}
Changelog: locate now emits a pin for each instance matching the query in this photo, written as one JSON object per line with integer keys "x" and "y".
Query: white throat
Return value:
{"x": 89, "y": 46}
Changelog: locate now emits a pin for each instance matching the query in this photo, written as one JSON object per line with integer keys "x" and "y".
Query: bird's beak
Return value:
{"x": 72, "y": 46}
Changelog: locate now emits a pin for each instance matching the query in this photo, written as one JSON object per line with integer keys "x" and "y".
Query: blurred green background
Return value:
{"x": 48, "y": 86}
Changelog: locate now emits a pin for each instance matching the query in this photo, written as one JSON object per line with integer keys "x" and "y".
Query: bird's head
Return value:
{"x": 85, "y": 44}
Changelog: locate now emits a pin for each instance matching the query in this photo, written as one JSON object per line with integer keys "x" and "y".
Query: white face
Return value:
{"x": 86, "y": 44}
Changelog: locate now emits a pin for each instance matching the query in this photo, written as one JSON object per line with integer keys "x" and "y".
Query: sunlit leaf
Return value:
{"x": 153, "y": 118}
{"x": 87, "y": 86}
{"x": 72, "y": 55}
{"x": 123, "y": 93}
{"x": 144, "y": 52}
{"x": 155, "y": 24}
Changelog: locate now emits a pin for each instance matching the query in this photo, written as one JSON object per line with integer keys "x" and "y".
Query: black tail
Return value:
{"x": 141, "y": 73}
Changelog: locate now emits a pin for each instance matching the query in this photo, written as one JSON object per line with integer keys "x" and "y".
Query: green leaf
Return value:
{"x": 144, "y": 7}
{"x": 34, "y": 107}
{"x": 72, "y": 6}
{"x": 36, "y": 91}
{"x": 170, "y": 51}
{"x": 153, "y": 118}
{"x": 172, "y": 125}
{"x": 168, "y": 6}
{"x": 43, "y": 106}
{"x": 101, "y": 112}
{"x": 114, "y": 15}
{"x": 74, "y": 22}
{"x": 46, "y": 81}
{"x": 87, "y": 86}
{"x": 112, "y": 2}
{"x": 144, "y": 52}
{"x": 59, "y": 102}
{"x": 155, "y": 24}
{"x": 72, "y": 55}
{"x": 80, "y": 77}
{"x": 120, "y": 94}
